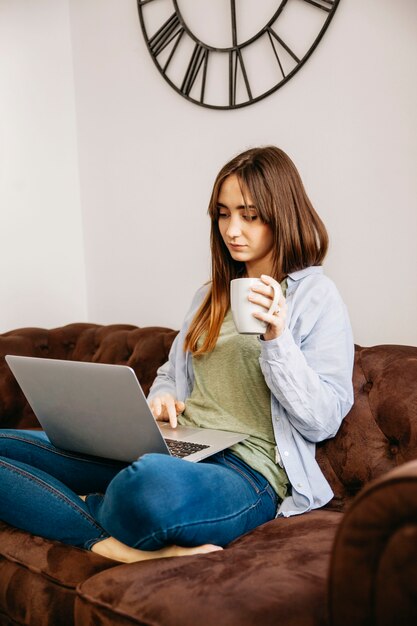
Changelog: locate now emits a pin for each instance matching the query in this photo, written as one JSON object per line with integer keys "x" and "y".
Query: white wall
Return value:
{"x": 147, "y": 159}
{"x": 42, "y": 282}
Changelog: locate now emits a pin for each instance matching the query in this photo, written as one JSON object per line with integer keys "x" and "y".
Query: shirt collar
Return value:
{"x": 299, "y": 274}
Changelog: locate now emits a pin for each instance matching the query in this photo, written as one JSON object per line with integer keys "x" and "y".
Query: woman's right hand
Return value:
{"x": 166, "y": 408}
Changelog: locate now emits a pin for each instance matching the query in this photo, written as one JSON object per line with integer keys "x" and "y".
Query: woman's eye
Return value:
{"x": 250, "y": 218}
{"x": 221, "y": 215}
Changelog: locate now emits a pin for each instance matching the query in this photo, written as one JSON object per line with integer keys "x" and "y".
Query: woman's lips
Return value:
{"x": 237, "y": 246}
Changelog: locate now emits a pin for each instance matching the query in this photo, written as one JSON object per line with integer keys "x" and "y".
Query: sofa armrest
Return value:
{"x": 373, "y": 569}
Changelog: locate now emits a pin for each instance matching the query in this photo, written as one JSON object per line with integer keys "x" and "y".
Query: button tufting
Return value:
{"x": 354, "y": 486}
{"x": 394, "y": 449}
{"x": 367, "y": 386}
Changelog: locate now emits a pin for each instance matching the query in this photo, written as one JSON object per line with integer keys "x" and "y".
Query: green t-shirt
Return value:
{"x": 230, "y": 393}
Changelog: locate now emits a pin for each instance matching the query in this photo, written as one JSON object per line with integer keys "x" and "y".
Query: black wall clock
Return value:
{"x": 225, "y": 54}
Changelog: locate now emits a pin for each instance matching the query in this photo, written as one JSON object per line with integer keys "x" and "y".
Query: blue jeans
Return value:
{"x": 156, "y": 501}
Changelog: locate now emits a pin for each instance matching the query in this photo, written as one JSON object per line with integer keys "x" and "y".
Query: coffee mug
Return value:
{"x": 243, "y": 309}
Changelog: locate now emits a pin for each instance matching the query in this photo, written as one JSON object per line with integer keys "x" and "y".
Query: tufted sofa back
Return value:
{"x": 379, "y": 433}
{"x": 143, "y": 349}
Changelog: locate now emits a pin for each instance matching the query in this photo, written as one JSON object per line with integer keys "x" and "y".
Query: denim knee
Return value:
{"x": 140, "y": 500}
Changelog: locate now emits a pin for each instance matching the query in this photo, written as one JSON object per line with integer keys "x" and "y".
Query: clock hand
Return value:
{"x": 233, "y": 10}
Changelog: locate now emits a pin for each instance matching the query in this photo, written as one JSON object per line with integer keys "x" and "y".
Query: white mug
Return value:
{"x": 243, "y": 309}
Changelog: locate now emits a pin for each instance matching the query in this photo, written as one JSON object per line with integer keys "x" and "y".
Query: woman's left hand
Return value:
{"x": 264, "y": 295}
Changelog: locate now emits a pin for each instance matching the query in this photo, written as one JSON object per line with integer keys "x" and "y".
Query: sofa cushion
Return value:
{"x": 275, "y": 574}
{"x": 39, "y": 577}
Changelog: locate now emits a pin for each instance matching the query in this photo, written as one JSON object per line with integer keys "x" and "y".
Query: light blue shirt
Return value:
{"x": 309, "y": 372}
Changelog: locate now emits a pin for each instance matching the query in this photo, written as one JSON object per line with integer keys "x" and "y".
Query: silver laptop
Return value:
{"x": 101, "y": 410}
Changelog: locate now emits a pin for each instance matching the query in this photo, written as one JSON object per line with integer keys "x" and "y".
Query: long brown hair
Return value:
{"x": 274, "y": 185}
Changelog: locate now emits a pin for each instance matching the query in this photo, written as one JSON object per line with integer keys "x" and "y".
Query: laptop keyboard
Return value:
{"x": 183, "y": 448}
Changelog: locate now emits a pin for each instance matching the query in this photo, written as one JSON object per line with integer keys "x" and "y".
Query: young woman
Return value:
{"x": 287, "y": 390}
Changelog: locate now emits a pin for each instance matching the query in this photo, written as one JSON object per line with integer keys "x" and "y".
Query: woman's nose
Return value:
{"x": 233, "y": 229}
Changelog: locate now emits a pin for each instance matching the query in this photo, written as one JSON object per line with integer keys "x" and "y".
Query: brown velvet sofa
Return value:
{"x": 352, "y": 563}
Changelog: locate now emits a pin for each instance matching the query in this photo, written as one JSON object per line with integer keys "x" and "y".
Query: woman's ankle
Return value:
{"x": 111, "y": 548}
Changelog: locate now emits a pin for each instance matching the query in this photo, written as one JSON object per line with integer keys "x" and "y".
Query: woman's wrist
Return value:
{"x": 271, "y": 336}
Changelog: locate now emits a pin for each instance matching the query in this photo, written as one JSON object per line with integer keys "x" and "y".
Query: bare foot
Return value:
{"x": 114, "y": 549}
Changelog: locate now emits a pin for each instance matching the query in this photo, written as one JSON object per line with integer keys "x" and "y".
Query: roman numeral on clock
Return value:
{"x": 235, "y": 64}
{"x": 170, "y": 30}
{"x": 273, "y": 38}
{"x": 198, "y": 63}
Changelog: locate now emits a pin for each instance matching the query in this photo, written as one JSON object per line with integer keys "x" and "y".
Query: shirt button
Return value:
{"x": 299, "y": 485}
{"x": 286, "y": 453}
